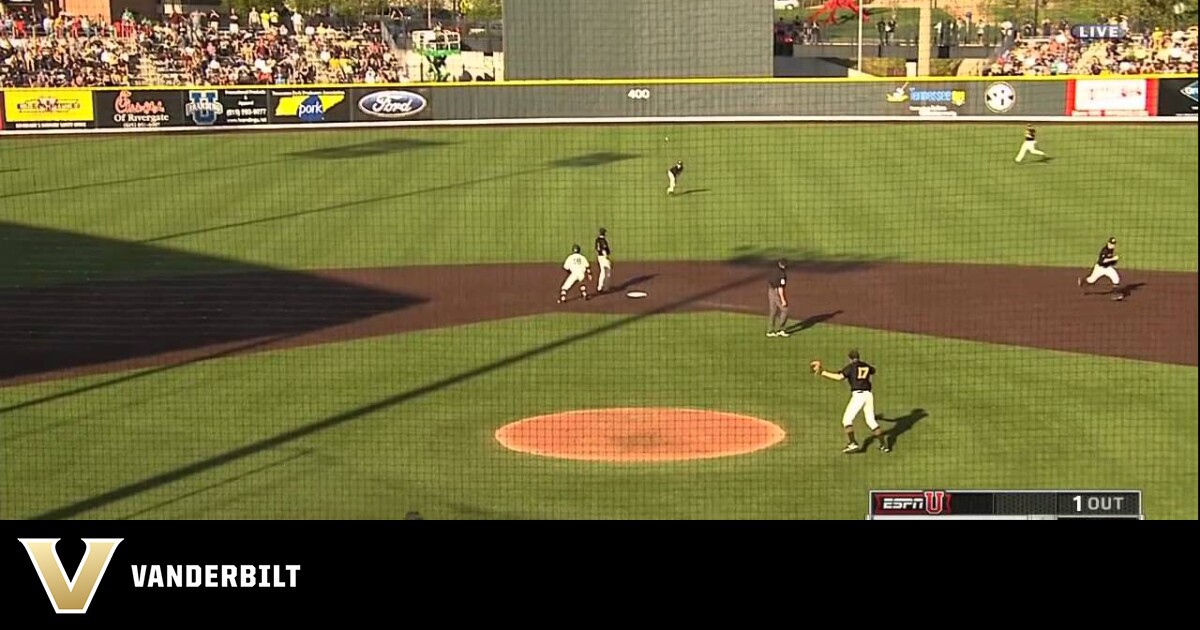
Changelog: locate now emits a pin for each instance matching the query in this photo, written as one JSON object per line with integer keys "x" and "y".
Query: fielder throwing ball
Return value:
{"x": 1105, "y": 267}
{"x": 578, "y": 270}
{"x": 858, "y": 374}
{"x": 602, "y": 253}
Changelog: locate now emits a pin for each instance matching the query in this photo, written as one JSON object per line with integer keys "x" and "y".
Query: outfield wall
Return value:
{"x": 38, "y": 111}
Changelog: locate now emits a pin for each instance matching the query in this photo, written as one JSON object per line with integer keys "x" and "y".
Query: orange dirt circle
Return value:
{"x": 639, "y": 435}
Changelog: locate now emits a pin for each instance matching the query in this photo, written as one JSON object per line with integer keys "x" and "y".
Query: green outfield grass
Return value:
{"x": 378, "y": 427}
{"x": 407, "y": 196}
{"x": 997, "y": 417}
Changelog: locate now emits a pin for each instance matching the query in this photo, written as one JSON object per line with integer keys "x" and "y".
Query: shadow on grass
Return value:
{"x": 72, "y": 300}
{"x": 140, "y": 178}
{"x": 324, "y": 424}
{"x": 224, "y": 482}
{"x": 368, "y": 149}
{"x": 811, "y": 321}
{"x": 358, "y": 203}
{"x": 901, "y": 425}
{"x": 593, "y": 159}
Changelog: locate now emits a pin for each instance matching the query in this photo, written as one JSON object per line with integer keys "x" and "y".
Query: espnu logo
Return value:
{"x": 929, "y": 502}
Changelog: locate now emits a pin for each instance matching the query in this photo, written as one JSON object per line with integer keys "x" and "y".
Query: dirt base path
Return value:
{"x": 1034, "y": 307}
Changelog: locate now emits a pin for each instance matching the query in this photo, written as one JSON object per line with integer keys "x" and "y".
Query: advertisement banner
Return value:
{"x": 209, "y": 107}
{"x": 139, "y": 109}
{"x": 390, "y": 104}
{"x": 33, "y": 108}
{"x": 1, "y": 110}
{"x": 1177, "y": 97}
{"x": 310, "y": 106}
{"x": 925, "y": 100}
{"x": 1112, "y": 97}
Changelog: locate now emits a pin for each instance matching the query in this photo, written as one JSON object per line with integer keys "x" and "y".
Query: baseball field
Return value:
{"x": 339, "y": 324}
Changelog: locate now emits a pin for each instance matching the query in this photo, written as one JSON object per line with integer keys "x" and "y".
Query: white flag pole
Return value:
{"x": 861, "y": 14}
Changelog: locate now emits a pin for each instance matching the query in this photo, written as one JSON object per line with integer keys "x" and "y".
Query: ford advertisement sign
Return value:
{"x": 390, "y": 105}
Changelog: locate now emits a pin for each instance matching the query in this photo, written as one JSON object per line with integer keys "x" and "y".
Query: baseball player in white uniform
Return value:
{"x": 578, "y": 270}
{"x": 1105, "y": 267}
{"x": 603, "y": 251}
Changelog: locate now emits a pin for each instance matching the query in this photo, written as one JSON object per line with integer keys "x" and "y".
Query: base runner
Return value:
{"x": 578, "y": 270}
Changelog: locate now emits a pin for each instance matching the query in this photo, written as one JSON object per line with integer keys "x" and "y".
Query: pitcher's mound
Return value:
{"x": 639, "y": 435}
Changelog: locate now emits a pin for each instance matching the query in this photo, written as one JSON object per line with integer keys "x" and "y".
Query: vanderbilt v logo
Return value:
{"x": 70, "y": 595}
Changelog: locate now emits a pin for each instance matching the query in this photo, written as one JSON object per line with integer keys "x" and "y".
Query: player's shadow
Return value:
{"x": 633, "y": 282}
{"x": 694, "y": 191}
{"x": 900, "y": 425}
{"x": 812, "y": 321}
{"x": 1127, "y": 290}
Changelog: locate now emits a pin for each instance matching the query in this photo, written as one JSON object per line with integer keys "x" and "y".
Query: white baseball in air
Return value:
{"x": 667, "y": 139}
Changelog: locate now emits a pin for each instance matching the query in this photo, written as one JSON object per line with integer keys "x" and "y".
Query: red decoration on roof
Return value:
{"x": 827, "y": 13}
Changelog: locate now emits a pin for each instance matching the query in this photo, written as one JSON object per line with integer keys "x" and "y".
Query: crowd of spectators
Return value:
{"x": 262, "y": 47}
{"x": 63, "y": 51}
{"x": 1052, "y": 49}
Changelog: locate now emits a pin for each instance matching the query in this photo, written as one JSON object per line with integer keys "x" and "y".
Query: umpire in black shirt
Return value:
{"x": 777, "y": 305}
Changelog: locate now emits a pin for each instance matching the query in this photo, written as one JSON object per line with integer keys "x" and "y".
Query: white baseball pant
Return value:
{"x": 671, "y": 177}
{"x": 572, "y": 280}
{"x": 864, "y": 402}
{"x": 605, "y": 272}
{"x": 1104, "y": 272}
{"x": 1029, "y": 146}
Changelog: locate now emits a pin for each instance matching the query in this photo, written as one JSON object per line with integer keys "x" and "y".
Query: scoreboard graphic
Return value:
{"x": 1005, "y": 505}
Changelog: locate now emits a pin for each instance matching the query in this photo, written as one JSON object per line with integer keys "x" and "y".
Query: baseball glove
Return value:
{"x": 815, "y": 366}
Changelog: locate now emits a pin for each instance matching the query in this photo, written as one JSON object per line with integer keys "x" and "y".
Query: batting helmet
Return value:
{"x": 574, "y": 249}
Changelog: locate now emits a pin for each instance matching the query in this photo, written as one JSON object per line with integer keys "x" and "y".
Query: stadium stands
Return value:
{"x": 266, "y": 47}
{"x": 1059, "y": 53}
{"x": 193, "y": 50}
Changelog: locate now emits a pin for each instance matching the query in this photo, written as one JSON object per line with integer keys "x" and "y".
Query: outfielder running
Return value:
{"x": 1030, "y": 145}
{"x": 858, "y": 374}
{"x": 602, "y": 253}
{"x": 673, "y": 175}
{"x": 1105, "y": 267}
{"x": 578, "y": 270}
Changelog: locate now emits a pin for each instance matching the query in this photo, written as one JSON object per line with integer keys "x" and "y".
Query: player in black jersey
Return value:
{"x": 673, "y": 175}
{"x": 1030, "y": 144}
{"x": 858, "y": 374}
{"x": 602, "y": 253}
{"x": 1105, "y": 267}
